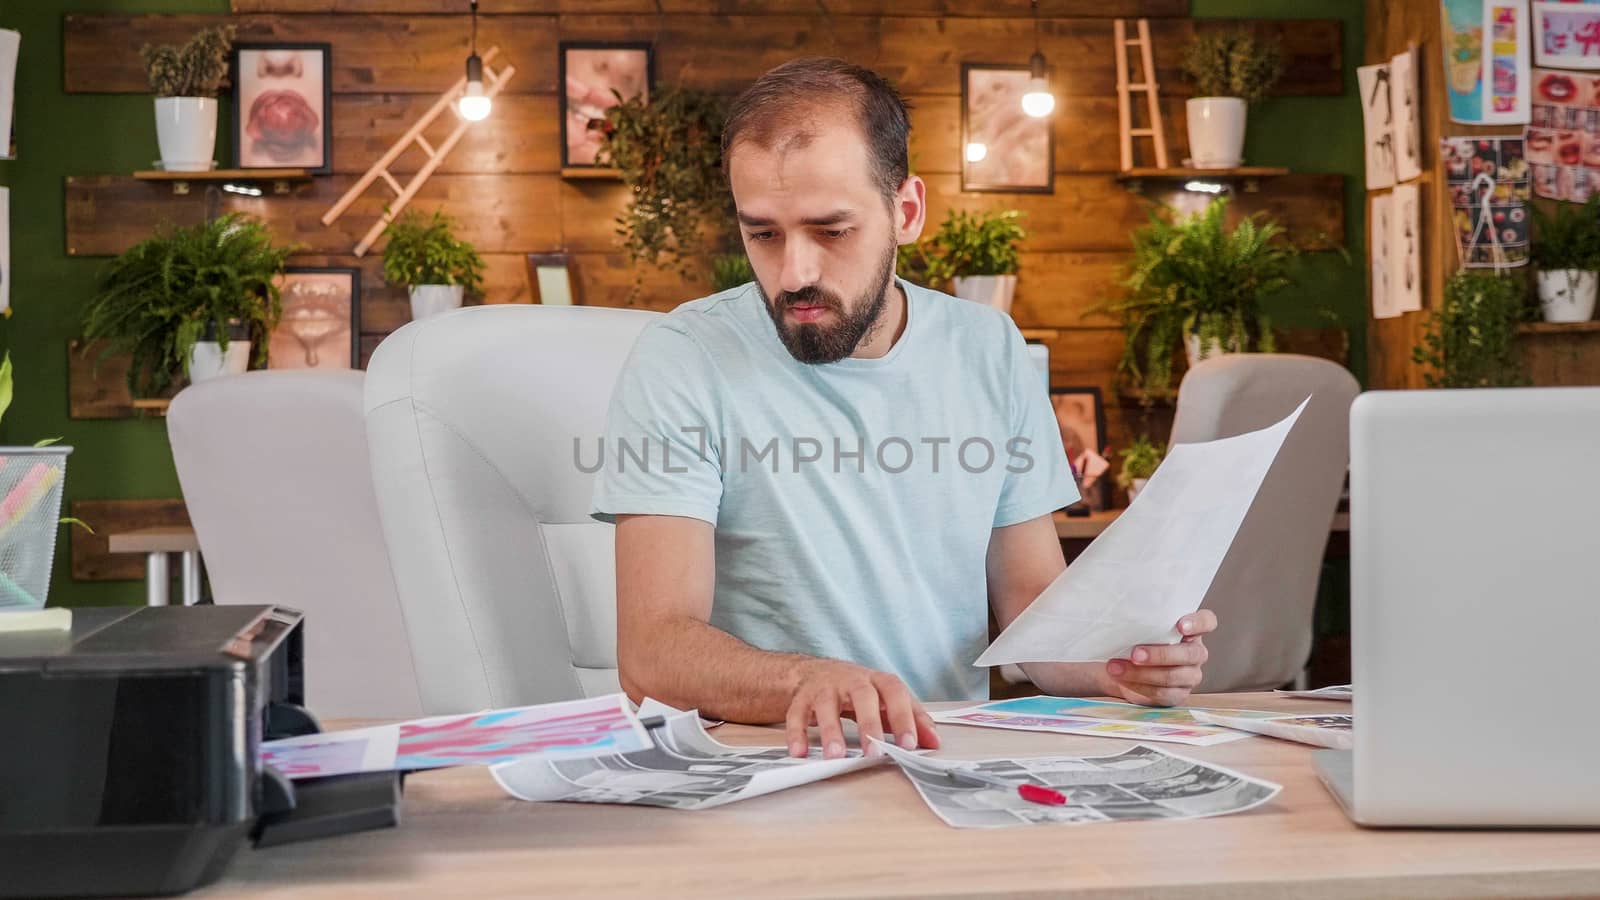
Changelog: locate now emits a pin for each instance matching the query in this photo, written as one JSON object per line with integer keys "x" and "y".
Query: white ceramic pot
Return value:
{"x": 1216, "y": 132}
{"x": 432, "y": 299}
{"x": 990, "y": 290}
{"x": 1567, "y": 295}
{"x": 1135, "y": 485}
{"x": 207, "y": 360}
{"x": 1213, "y": 348}
{"x": 186, "y": 131}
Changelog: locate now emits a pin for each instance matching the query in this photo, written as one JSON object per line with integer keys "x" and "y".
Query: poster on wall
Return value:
{"x": 1489, "y": 184}
{"x": 1405, "y": 251}
{"x": 1486, "y": 60}
{"x": 1566, "y": 34}
{"x": 10, "y": 43}
{"x": 1564, "y": 137}
{"x": 1380, "y": 241}
{"x": 1377, "y": 124}
{"x": 1407, "y": 118}
{"x": 5, "y": 249}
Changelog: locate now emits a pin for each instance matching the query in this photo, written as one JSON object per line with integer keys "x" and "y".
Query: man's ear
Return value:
{"x": 910, "y": 210}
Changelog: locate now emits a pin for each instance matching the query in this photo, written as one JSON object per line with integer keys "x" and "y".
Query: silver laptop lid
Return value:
{"x": 1475, "y": 590}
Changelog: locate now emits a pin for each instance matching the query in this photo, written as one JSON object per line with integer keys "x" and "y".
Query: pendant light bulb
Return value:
{"x": 474, "y": 104}
{"x": 1038, "y": 102}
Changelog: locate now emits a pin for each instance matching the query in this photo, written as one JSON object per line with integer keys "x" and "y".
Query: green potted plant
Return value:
{"x": 729, "y": 270}
{"x": 190, "y": 300}
{"x": 669, "y": 152}
{"x": 1470, "y": 341}
{"x": 436, "y": 267}
{"x": 1566, "y": 249}
{"x": 186, "y": 80}
{"x": 1139, "y": 462}
{"x": 1231, "y": 70}
{"x": 1193, "y": 279}
{"x": 976, "y": 253}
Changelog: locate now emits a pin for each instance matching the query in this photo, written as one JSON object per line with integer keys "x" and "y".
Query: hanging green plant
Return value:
{"x": 669, "y": 151}
{"x": 1470, "y": 342}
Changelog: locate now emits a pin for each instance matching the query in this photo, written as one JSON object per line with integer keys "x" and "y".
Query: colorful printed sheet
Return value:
{"x": 570, "y": 730}
{"x": 1486, "y": 60}
{"x": 1489, "y": 184}
{"x": 1065, "y": 715}
{"x": 1317, "y": 730}
{"x": 1563, "y": 141}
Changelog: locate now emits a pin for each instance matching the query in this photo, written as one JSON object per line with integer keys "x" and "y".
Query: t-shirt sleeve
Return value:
{"x": 659, "y": 452}
{"x": 1039, "y": 478}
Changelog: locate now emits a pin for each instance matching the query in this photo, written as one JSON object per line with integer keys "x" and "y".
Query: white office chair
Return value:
{"x": 274, "y": 472}
{"x": 508, "y": 586}
{"x": 1265, "y": 592}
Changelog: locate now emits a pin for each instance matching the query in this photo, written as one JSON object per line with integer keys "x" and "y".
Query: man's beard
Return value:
{"x": 814, "y": 343}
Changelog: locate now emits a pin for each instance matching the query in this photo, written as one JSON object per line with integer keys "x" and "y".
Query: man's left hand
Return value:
{"x": 1163, "y": 674}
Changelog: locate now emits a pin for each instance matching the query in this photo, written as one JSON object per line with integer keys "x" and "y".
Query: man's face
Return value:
{"x": 820, "y": 237}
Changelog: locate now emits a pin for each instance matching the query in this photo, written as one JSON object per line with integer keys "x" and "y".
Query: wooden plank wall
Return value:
{"x": 390, "y": 57}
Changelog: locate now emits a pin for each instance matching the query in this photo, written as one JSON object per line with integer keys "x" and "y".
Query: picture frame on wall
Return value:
{"x": 1081, "y": 417}
{"x": 552, "y": 280}
{"x": 321, "y": 323}
{"x": 594, "y": 74}
{"x": 1003, "y": 149}
{"x": 282, "y": 104}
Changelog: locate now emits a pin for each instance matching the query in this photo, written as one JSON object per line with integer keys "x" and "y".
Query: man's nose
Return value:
{"x": 800, "y": 266}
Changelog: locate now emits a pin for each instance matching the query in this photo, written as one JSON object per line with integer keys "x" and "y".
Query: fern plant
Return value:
{"x": 425, "y": 250}
{"x": 729, "y": 270}
{"x": 968, "y": 244}
{"x": 1232, "y": 64}
{"x": 167, "y": 291}
{"x": 1193, "y": 275}
{"x": 1139, "y": 460}
{"x": 1470, "y": 341}
{"x": 198, "y": 68}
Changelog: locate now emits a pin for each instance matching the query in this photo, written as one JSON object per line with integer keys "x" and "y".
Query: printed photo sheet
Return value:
{"x": 1331, "y": 692}
{"x": 573, "y": 728}
{"x": 1317, "y": 730}
{"x": 1141, "y": 783}
{"x": 684, "y": 769}
{"x": 1095, "y": 718}
{"x": 1154, "y": 564}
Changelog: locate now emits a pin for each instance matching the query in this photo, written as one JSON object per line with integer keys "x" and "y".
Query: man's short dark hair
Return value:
{"x": 780, "y": 106}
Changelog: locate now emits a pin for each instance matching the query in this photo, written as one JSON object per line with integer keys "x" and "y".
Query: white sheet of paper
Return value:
{"x": 1381, "y": 242}
{"x": 10, "y": 45}
{"x": 1405, "y": 254}
{"x": 1154, "y": 564}
{"x": 1331, "y": 692}
{"x": 1377, "y": 124}
{"x": 1407, "y": 121}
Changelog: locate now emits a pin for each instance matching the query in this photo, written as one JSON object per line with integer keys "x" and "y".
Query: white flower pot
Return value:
{"x": 1567, "y": 295}
{"x": 990, "y": 290}
{"x": 186, "y": 131}
{"x": 1216, "y": 132}
{"x": 432, "y": 299}
{"x": 1135, "y": 485}
{"x": 206, "y": 359}
{"x": 1195, "y": 352}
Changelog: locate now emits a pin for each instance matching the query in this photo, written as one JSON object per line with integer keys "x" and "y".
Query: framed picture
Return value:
{"x": 592, "y": 71}
{"x": 1002, "y": 147}
{"x": 552, "y": 279}
{"x": 1081, "y": 416}
{"x": 321, "y": 324}
{"x": 281, "y": 104}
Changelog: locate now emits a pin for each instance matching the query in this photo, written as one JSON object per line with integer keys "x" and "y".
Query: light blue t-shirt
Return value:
{"x": 853, "y": 501}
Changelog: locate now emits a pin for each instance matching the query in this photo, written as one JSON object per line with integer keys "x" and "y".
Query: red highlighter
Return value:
{"x": 1032, "y": 793}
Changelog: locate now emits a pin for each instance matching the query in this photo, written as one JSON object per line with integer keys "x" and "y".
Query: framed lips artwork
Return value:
{"x": 1563, "y": 136}
{"x": 281, "y": 104}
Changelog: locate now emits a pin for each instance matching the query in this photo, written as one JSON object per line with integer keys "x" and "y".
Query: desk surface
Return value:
{"x": 1087, "y": 528}
{"x": 869, "y": 834}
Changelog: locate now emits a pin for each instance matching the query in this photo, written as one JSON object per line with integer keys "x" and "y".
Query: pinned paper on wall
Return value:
{"x": 1486, "y": 60}
{"x": 1405, "y": 252}
{"x": 10, "y": 44}
{"x": 1564, "y": 135}
{"x": 1383, "y": 305}
{"x": 5, "y": 249}
{"x": 1403, "y": 100}
{"x": 1566, "y": 34}
{"x": 1377, "y": 124}
{"x": 1489, "y": 184}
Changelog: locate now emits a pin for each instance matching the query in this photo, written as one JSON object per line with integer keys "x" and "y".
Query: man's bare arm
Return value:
{"x": 666, "y": 649}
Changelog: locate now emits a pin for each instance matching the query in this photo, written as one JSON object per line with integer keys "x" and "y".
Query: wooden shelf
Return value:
{"x": 589, "y": 172}
{"x": 157, "y": 406}
{"x": 281, "y": 179}
{"x": 1592, "y": 325}
{"x": 1248, "y": 177}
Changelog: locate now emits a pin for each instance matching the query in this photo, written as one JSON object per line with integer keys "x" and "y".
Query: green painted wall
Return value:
{"x": 61, "y": 134}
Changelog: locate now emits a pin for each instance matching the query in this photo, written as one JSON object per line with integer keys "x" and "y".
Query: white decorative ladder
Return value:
{"x": 1126, "y": 89}
{"x": 492, "y": 83}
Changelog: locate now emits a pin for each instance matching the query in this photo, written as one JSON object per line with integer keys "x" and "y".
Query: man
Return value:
{"x": 819, "y": 476}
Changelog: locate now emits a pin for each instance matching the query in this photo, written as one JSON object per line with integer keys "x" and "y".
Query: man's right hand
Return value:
{"x": 830, "y": 690}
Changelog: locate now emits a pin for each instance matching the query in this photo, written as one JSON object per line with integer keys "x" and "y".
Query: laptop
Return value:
{"x": 1475, "y": 610}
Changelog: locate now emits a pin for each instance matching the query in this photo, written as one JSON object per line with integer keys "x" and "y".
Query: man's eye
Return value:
{"x": 836, "y": 234}
{"x": 760, "y": 235}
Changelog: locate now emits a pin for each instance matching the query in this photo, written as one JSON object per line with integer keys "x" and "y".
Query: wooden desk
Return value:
{"x": 1087, "y": 528}
{"x": 156, "y": 543}
{"x": 869, "y": 834}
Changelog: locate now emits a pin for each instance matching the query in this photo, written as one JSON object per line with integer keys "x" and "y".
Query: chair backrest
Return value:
{"x": 1265, "y": 592}
{"x": 274, "y": 472}
{"x": 474, "y": 419}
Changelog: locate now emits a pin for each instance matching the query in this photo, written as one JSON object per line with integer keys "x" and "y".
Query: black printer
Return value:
{"x": 129, "y": 756}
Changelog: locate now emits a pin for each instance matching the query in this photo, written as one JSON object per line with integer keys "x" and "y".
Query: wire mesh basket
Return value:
{"x": 30, "y": 509}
